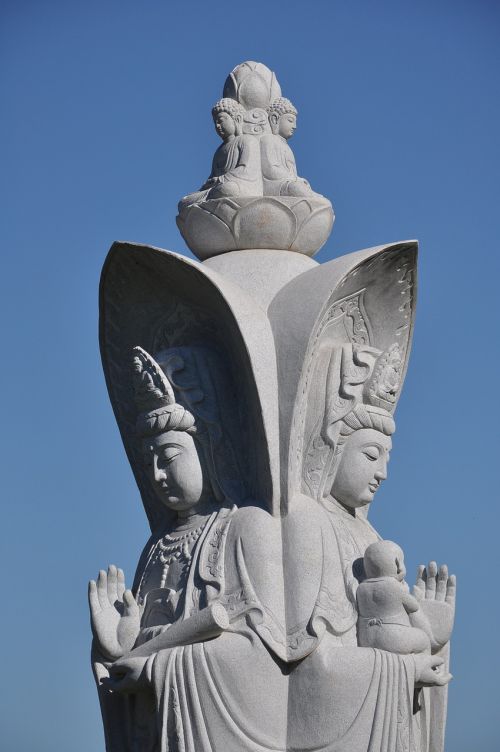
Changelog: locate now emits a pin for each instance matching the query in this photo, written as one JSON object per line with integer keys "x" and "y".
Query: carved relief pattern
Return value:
{"x": 349, "y": 321}
{"x": 315, "y": 455}
{"x": 350, "y": 311}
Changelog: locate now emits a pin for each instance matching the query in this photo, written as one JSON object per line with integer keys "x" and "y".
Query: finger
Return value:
{"x": 451, "y": 590}
{"x": 419, "y": 586}
{"x": 109, "y": 682}
{"x": 443, "y": 679}
{"x": 95, "y": 607}
{"x": 120, "y": 584}
{"x": 442, "y": 581}
{"x": 131, "y": 607}
{"x": 112, "y": 584}
{"x": 102, "y": 588}
{"x": 430, "y": 584}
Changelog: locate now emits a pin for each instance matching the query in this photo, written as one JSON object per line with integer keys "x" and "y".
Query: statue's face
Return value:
{"x": 395, "y": 562}
{"x": 362, "y": 468}
{"x": 174, "y": 469}
{"x": 287, "y": 124}
{"x": 224, "y": 125}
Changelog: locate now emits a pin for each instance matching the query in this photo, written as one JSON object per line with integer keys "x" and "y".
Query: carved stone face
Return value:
{"x": 224, "y": 125}
{"x": 174, "y": 469}
{"x": 286, "y": 125}
{"x": 362, "y": 468}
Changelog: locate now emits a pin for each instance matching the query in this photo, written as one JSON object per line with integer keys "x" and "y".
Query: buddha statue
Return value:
{"x": 236, "y": 169}
{"x": 254, "y": 197}
{"x": 279, "y": 170}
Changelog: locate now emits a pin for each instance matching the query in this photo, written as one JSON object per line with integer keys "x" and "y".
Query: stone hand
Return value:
{"x": 114, "y": 613}
{"x": 127, "y": 675}
{"x": 435, "y": 592}
{"x": 428, "y": 671}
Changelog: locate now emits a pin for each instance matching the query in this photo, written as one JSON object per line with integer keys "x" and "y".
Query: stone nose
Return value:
{"x": 158, "y": 472}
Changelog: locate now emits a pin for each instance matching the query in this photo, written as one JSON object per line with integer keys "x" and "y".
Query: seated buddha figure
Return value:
{"x": 279, "y": 170}
{"x": 236, "y": 169}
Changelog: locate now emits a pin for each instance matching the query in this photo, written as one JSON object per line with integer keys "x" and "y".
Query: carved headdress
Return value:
{"x": 361, "y": 387}
{"x": 155, "y": 399}
{"x": 196, "y": 376}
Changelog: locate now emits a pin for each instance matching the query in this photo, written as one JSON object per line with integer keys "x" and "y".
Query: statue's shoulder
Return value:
{"x": 267, "y": 138}
{"x": 252, "y": 520}
{"x": 247, "y": 142}
{"x": 304, "y": 509}
{"x": 270, "y": 142}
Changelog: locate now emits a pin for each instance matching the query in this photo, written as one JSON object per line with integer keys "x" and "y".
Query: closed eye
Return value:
{"x": 372, "y": 453}
{"x": 169, "y": 456}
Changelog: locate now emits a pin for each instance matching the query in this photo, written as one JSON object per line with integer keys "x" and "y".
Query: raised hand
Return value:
{"x": 114, "y": 613}
{"x": 435, "y": 591}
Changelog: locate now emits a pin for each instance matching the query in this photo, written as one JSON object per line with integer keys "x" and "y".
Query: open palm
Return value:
{"x": 435, "y": 591}
{"x": 114, "y": 613}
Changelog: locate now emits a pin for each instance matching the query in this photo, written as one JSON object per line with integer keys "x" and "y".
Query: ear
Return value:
{"x": 238, "y": 122}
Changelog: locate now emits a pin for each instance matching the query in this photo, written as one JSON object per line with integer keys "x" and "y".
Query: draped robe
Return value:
{"x": 358, "y": 699}
{"x": 287, "y": 674}
{"x": 228, "y": 693}
{"x": 236, "y": 171}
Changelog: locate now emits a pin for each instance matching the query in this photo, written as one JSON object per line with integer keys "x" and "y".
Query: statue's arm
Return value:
{"x": 248, "y": 164}
{"x": 253, "y": 597}
{"x": 215, "y": 174}
{"x": 273, "y": 168}
{"x": 410, "y": 603}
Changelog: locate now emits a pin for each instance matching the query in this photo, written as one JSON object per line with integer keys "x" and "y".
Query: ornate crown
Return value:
{"x": 155, "y": 399}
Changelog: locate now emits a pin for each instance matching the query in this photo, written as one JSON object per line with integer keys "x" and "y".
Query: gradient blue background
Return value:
{"x": 106, "y": 123}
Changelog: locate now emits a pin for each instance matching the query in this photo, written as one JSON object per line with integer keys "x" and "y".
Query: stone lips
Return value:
{"x": 300, "y": 224}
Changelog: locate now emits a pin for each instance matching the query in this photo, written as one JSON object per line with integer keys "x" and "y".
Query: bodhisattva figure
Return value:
{"x": 364, "y": 696}
{"x": 163, "y": 655}
{"x": 236, "y": 168}
{"x": 279, "y": 170}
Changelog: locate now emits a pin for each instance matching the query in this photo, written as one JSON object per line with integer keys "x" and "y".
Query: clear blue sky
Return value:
{"x": 106, "y": 123}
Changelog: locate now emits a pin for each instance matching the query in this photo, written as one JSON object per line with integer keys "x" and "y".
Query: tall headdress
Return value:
{"x": 197, "y": 378}
{"x": 155, "y": 399}
{"x": 361, "y": 387}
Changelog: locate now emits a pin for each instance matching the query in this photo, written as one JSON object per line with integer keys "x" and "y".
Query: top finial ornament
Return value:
{"x": 254, "y": 197}
{"x": 252, "y": 85}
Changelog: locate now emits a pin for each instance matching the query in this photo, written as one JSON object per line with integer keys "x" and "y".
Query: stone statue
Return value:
{"x": 254, "y": 182}
{"x": 357, "y": 439}
{"x": 255, "y": 395}
{"x": 236, "y": 167}
{"x": 278, "y": 162}
{"x": 386, "y": 610}
{"x": 197, "y": 573}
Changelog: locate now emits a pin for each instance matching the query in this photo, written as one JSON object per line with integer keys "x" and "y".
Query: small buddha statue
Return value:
{"x": 236, "y": 169}
{"x": 279, "y": 170}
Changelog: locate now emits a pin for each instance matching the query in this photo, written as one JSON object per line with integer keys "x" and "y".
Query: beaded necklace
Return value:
{"x": 169, "y": 549}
